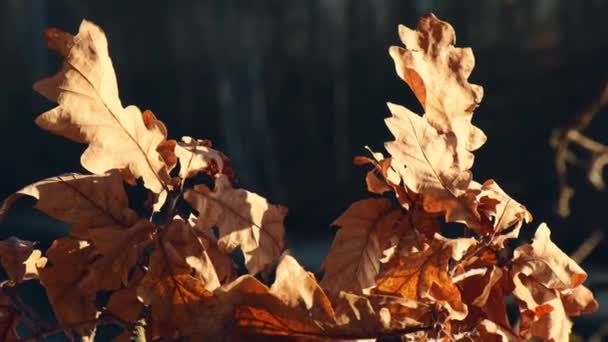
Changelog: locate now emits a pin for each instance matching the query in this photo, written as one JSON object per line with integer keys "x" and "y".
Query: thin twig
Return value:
{"x": 561, "y": 139}
{"x": 583, "y": 251}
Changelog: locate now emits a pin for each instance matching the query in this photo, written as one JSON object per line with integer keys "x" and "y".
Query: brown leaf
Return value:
{"x": 125, "y": 305}
{"x": 20, "y": 260}
{"x": 97, "y": 208}
{"x": 354, "y": 257}
{"x": 437, "y": 73}
{"x": 91, "y": 112}
{"x": 117, "y": 250}
{"x": 297, "y": 306}
{"x": 579, "y": 301}
{"x": 424, "y": 277}
{"x": 180, "y": 277}
{"x": 85, "y": 201}
{"x": 9, "y": 319}
{"x": 124, "y": 302}
{"x": 244, "y": 219}
{"x": 69, "y": 263}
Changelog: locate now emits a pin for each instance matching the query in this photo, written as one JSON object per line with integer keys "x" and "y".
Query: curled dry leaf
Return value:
{"x": 437, "y": 73}
{"x": 382, "y": 178}
{"x": 196, "y": 156}
{"x": 20, "y": 260}
{"x": 505, "y": 211}
{"x": 244, "y": 219}
{"x": 91, "y": 112}
{"x": 548, "y": 287}
{"x": 365, "y": 233}
{"x": 424, "y": 276}
{"x": 490, "y": 331}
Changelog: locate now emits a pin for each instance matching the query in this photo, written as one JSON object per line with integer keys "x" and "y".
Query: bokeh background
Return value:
{"x": 291, "y": 91}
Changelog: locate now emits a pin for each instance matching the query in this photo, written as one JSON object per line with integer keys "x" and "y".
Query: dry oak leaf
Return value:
{"x": 125, "y": 305}
{"x": 542, "y": 314}
{"x": 491, "y": 211}
{"x": 366, "y": 229}
{"x": 296, "y": 305}
{"x": 224, "y": 266}
{"x": 20, "y": 260}
{"x": 292, "y": 306}
{"x": 9, "y": 319}
{"x": 548, "y": 286}
{"x": 69, "y": 263}
{"x": 97, "y": 208}
{"x": 244, "y": 219}
{"x": 487, "y": 330}
{"x": 505, "y": 212}
{"x": 437, "y": 73}
{"x": 196, "y": 156}
{"x": 180, "y": 277}
{"x": 116, "y": 251}
{"x": 429, "y": 164}
{"x": 85, "y": 201}
{"x": 382, "y": 177}
{"x": 91, "y": 112}
{"x": 424, "y": 276}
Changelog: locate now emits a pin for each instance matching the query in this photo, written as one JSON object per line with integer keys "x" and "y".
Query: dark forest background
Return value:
{"x": 291, "y": 91}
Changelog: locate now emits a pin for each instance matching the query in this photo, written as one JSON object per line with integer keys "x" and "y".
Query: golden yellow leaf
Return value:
{"x": 244, "y": 219}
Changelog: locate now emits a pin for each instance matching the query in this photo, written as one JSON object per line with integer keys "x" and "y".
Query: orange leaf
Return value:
{"x": 424, "y": 277}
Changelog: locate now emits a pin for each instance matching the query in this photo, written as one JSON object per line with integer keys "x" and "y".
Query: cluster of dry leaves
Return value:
{"x": 389, "y": 272}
